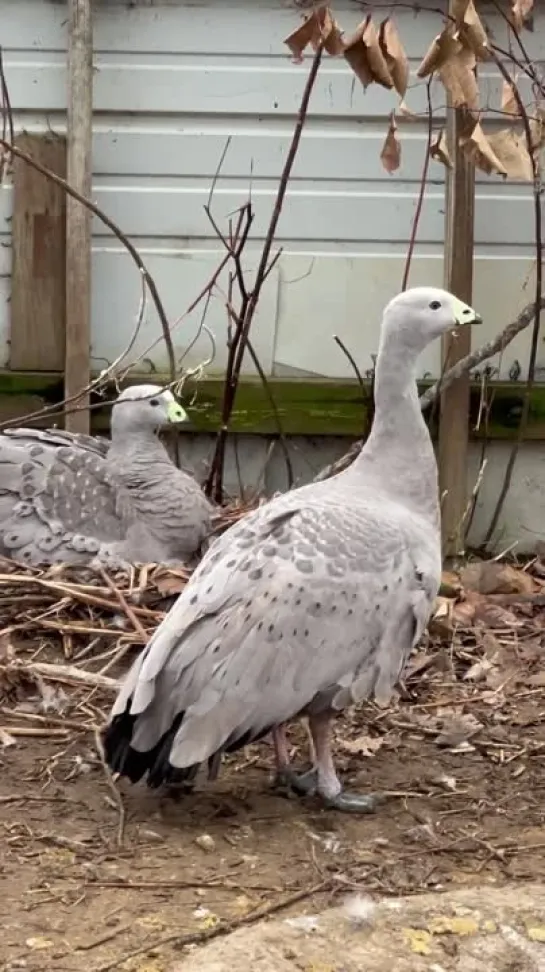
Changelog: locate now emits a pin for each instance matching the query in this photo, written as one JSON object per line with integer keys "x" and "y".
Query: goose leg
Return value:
{"x": 304, "y": 784}
{"x": 328, "y": 785}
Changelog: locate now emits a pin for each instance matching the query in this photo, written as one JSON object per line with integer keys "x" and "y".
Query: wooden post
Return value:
{"x": 78, "y": 218}
{"x": 454, "y": 407}
{"x": 38, "y": 241}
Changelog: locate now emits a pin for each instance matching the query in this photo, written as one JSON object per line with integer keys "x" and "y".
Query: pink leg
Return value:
{"x": 328, "y": 784}
{"x": 286, "y": 778}
{"x": 281, "y": 751}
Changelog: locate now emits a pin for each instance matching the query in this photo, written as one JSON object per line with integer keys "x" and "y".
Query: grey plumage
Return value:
{"x": 309, "y": 604}
{"x": 67, "y": 497}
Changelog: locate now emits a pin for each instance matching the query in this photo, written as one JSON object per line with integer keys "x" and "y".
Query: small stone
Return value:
{"x": 206, "y": 843}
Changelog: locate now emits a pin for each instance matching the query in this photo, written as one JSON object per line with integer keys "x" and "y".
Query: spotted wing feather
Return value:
{"x": 56, "y": 499}
{"x": 289, "y": 609}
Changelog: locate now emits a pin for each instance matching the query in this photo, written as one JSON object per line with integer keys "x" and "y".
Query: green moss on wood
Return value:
{"x": 305, "y": 407}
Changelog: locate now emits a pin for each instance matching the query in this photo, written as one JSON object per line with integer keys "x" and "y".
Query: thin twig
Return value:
{"x": 112, "y": 787}
{"x": 523, "y": 423}
{"x": 250, "y": 299}
{"x": 422, "y": 189}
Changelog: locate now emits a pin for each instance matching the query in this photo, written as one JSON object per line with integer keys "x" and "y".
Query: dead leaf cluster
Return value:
{"x": 376, "y": 55}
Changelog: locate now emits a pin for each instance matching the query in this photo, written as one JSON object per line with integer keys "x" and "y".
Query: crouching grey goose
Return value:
{"x": 307, "y": 605}
{"x": 75, "y": 499}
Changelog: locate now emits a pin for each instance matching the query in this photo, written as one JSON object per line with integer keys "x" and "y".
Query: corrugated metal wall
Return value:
{"x": 171, "y": 83}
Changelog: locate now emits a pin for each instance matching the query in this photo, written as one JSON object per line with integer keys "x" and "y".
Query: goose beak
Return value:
{"x": 176, "y": 414}
{"x": 464, "y": 314}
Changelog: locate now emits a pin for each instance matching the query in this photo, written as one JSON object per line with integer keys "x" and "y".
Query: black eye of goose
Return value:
{"x": 435, "y": 305}
{"x": 154, "y": 401}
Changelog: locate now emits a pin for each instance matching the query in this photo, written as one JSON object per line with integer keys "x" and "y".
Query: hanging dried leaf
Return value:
{"x": 404, "y": 110}
{"x": 439, "y": 150}
{"x": 511, "y": 149}
{"x": 391, "y": 150}
{"x": 521, "y": 14}
{"x": 478, "y": 148}
{"x": 442, "y": 49}
{"x": 307, "y": 33}
{"x": 458, "y": 77}
{"x": 394, "y": 55}
{"x": 330, "y": 32}
{"x": 509, "y": 104}
{"x": 363, "y": 53}
{"x": 473, "y": 34}
{"x": 319, "y": 25}
{"x": 458, "y": 11}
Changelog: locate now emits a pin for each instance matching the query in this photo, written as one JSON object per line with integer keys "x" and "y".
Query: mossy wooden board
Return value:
{"x": 305, "y": 407}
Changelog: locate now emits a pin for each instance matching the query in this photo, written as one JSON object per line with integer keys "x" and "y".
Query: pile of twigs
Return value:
{"x": 71, "y": 626}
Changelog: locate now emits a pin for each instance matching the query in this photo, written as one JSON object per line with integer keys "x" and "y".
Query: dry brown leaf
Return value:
{"x": 451, "y": 585}
{"x": 535, "y": 681}
{"x": 362, "y": 745}
{"x": 521, "y": 14}
{"x": 492, "y": 615}
{"x": 363, "y": 53}
{"x": 458, "y": 11}
{"x": 307, "y": 33}
{"x": 459, "y": 79}
{"x": 440, "y": 622}
{"x": 330, "y": 32}
{"x": 478, "y": 671}
{"x": 320, "y": 25}
{"x": 473, "y": 34}
{"x": 170, "y": 583}
{"x": 477, "y": 147}
{"x": 443, "y": 47}
{"x": 394, "y": 55}
{"x": 6, "y": 739}
{"x": 439, "y": 150}
{"x": 509, "y": 104}
{"x": 391, "y": 150}
{"x": 511, "y": 149}
{"x": 404, "y": 110}
{"x": 493, "y": 577}
{"x": 457, "y": 728}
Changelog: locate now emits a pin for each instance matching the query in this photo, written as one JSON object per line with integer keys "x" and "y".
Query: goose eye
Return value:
{"x": 435, "y": 305}
{"x": 154, "y": 401}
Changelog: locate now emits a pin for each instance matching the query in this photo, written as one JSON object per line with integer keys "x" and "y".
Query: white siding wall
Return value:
{"x": 171, "y": 83}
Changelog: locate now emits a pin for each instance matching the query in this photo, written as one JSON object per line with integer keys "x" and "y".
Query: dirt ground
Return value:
{"x": 95, "y": 876}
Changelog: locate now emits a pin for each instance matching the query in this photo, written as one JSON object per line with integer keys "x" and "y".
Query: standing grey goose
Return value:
{"x": 75, "y": 499}
{"x": 310, "y": 603}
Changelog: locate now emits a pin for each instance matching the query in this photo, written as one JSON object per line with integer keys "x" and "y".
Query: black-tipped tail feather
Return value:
{"x": 154, "y": 764}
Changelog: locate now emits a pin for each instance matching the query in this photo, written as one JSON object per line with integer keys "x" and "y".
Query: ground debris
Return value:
{"x": 117, "y": 877}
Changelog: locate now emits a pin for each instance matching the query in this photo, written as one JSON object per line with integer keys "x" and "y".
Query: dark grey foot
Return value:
{"x": 303, "y": 784}
{"x": 354, "y": 802}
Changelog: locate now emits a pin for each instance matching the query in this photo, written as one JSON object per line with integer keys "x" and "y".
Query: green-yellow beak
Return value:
{"x": 464, "y": 314}
{"x": 176, "y": 413}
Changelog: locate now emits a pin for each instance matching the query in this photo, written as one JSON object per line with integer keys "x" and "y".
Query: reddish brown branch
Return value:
{"x": 422, "y": 190}
{"x": 250, "y": 299}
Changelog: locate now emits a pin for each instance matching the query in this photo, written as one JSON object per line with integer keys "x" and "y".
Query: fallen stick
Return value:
{"x": 63, "y": 673}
